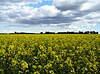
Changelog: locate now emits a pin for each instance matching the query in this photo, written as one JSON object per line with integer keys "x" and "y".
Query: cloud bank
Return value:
{"x": 69, "y": 14}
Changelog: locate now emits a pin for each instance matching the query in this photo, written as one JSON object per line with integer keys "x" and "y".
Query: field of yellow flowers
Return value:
{"x": 49, "y": 54}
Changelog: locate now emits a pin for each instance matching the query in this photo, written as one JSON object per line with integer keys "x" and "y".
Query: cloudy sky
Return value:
{"x": 49, "y": 15}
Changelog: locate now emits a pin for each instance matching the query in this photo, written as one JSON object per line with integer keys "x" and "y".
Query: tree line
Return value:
{"x": 47, "y": 32}
{"x": 80, "y": 32}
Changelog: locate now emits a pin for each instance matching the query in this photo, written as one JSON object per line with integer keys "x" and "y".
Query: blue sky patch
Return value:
{"x": 49, "y": 3}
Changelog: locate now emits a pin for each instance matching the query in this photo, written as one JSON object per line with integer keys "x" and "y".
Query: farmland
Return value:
{"x": 49, "y": 54}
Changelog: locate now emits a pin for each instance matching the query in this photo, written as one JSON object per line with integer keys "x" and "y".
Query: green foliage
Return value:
{"x": 49, "y": 54}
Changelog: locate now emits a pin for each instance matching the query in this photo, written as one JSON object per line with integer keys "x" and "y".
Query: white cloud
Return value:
{"x": 48, "y": 11}
{"x": 68, "y": 13}
{"x": 90, "y": 5}
{"x": 92, "y": 15}
{"x": 86, "y": 6}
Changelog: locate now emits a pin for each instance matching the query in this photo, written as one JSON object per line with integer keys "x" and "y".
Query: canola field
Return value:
{"x": 49, "y": 54}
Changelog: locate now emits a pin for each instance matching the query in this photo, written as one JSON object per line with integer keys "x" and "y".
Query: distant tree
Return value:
{"x": 91, "y": 32}
{"x": 41, "y": 32}
{"x": 86, "y": 32}
{"x": 49, "y": 32}
{"x": 96, "y": 32}
{"x": 62, "y": 33}
{"x": 15, "y": 32}
{"x": 80, "y": 32}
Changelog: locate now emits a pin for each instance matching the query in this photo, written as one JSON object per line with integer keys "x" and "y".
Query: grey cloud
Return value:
{"x": 69, "y": 7}
{"x": 76, "y": 5}
{"x": 13, "y": 16}
{"x": 3, "y": 18}
{"x": 69, "y": 4}
{"x": 47, "y": 20}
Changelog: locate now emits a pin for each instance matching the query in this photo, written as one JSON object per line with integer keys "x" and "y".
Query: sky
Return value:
{"x": 49, "y": 15}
